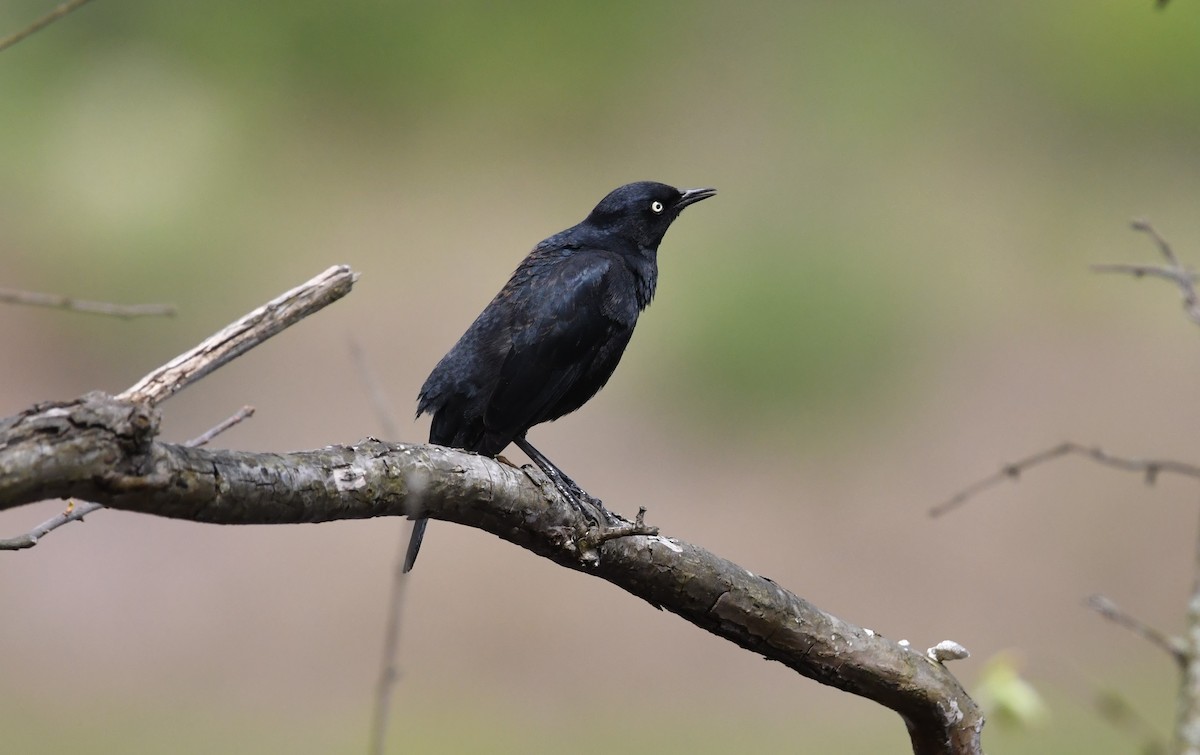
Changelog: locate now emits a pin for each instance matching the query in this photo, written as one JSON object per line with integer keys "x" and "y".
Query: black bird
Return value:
{"x": 554, "y": 334}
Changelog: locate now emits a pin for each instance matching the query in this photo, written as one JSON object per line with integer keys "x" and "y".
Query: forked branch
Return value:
{"x": 105, "y": 449}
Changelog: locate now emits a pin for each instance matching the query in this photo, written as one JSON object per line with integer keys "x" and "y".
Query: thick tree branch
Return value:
{"x": 234, "y": 340}
{"x": 77, "y": 510}
{"x": 103, "y": 449}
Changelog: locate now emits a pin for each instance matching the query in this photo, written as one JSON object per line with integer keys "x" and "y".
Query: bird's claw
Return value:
{"x": 592, "y": 513}
{"x": 593, "y": 510}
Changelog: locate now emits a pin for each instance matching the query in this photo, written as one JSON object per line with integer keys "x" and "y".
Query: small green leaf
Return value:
{"x": 1007, "y": 697}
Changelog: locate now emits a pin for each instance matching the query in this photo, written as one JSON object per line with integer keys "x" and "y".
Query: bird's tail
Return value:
{"x": 414, "y": 543}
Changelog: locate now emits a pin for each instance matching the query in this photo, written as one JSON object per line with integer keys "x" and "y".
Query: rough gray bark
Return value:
{"x": 103, "y": 449}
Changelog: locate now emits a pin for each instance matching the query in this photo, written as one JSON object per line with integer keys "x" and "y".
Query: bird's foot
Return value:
{"x": 603, "y": 525}
{"x": 591, "y": 508}
{"x": 611, "y": 518}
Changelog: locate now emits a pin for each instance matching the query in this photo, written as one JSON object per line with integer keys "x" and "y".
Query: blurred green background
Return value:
{"x": 889, "y": 297}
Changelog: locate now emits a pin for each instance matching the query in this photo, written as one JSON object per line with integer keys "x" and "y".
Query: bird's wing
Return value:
{"x": 560, "y": 327}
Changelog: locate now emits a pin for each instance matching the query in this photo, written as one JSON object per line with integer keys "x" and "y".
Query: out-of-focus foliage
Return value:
{"x": 889, "y": 295}
{"x": 1007, "y": 697}
{"x": 168, "y": 141}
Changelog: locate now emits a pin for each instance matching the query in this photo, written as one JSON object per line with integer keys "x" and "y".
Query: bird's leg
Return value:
{"x": 592, "y": 508}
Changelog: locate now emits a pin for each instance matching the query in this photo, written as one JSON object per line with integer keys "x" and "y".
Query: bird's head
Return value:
{"x": 643, "y": 211}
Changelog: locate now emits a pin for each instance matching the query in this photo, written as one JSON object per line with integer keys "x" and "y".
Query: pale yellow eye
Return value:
{"x": 656, "y": 207}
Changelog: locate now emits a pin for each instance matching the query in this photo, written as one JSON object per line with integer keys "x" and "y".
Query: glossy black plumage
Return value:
{"x": 554, "y": 334}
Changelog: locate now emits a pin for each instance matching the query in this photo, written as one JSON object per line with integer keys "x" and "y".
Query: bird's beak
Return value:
{"x": 692, "y": 196}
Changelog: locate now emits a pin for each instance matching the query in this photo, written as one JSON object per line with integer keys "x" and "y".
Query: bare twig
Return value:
{"x": 1187, "y": 723}
{"x": 1144, "y": 271}
{"x": 234, "y": 340}
{"x": 375, "y": 392}
{"x": 1173, "y": 646}
{"x": 1149, "y": 468}
{"x": 243, "y": 335}
{"x": 389, "y": 666}
{"x": 1185, "y": 279}
{"x": 1185, "y": 650}
{"x": 77, "y": 510}
{"x": 226, "y": 345}
{"x": 1143, "y": 225}
{"x": 40, "y": 24}
{"x": 245, "y": 413}
{"x": 74, "y": 512}
{"x": 105, "y": 449}
{"x": 1174, "y": 270}
{"x": 127, "y": 311}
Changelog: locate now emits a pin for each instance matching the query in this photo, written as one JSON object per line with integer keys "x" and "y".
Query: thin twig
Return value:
{"x": 389, "y": 666}
{"x": 40, "y": 24}
{"x": 185, "y": 369}
{"x": 1174, "y": 270}
{"x": 127, "y": 311}
{"x": 74, "y": 512}
{"x": 1143, "y": 225}
{"x": 243, "y": 335}
{"x": 379, "y": 401}
{"x": 389, "y": 669}
{"x": 1187, "y": 732}
{"x": 1150, "y": 468}
{"x": 1109, "y": 610}
{"x": 1143, "y": 271}
{"x": 77, "y": 510}
{"x": 245, "y": 413}
{"x": 104, "y": 450}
